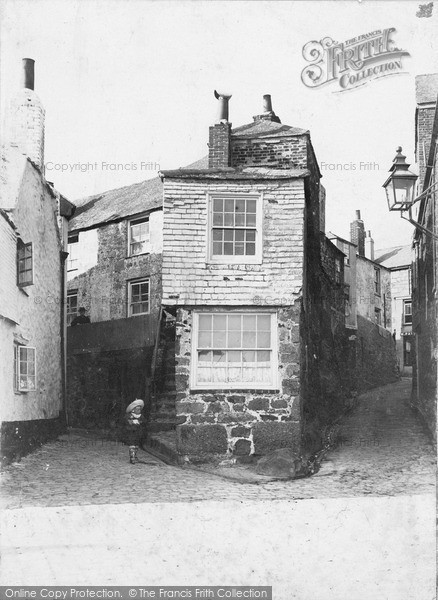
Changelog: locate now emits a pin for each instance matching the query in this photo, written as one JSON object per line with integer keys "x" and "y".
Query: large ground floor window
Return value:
{"x": 234, "y": 350}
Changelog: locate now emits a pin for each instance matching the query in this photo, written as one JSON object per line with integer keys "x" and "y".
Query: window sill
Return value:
{"x": 139, "y": 315}
{"x": 23, "y": 291}
{"x": 135, "y": 255}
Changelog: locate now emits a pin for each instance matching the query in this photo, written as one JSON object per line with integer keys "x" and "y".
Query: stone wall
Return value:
{"x": 239, "y": 423}
{"x": 102, "y": 289}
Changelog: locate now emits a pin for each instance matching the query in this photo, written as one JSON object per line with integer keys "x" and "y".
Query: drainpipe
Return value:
{"x": 63, "y": 255}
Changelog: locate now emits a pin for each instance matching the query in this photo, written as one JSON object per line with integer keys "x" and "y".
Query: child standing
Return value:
{"x": 134, "y": 427}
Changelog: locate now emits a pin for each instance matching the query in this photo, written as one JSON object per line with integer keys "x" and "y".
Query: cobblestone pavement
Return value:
{"x": 383, "y": 450}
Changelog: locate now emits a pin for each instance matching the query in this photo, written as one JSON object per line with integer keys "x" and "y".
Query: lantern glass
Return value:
{"x": 400, "y": 192}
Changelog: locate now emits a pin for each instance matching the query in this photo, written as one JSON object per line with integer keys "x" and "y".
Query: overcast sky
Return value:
{"x": 132, "y": 82}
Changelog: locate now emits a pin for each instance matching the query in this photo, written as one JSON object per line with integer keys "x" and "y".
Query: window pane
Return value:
{"x": 218, "y": 235}
{"x": 239, "y": 249}
{"x": 218, "y": 219}
{"x": 263, "y": 356}
{"x": 234, "y": 356}
{"x": 220, "y": 322}
{"x": 228, "y": 248}
{"x": 251, "y": 206}
{"x": 234, "y": 339}
{"x": 250, "y": 249}
{"x": 249, "y": 322}
{"x": 229, "y": 205}
{"x": 263, "y": 339}
{"x": 205, "y": 322}
{"x": 219, "y": 339}
{"x": 229, "y": 219}
{"x": 248, "y": 356}
{"x": 218, "y": 205}
{"x": 217, "y": 248}
{"x": 239, "y": 219}
{"x": 204, "y": 356}
{"x": 250, "y": 236}
{"x": 239, "y": 235}
{"x": 250, "y": 220}
{"x": 218, "y": 356}
{"x": 228, "y": 235}
{"x": 249, "y": 339}
{"x": 264, "y": 322}
{"x": 235, "y": 322}
{"x": 205, "y": 339}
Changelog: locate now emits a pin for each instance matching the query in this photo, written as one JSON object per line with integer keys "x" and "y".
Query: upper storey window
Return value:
{"x": 235, "y": 229}
{"x": 24, "y": 264}
{"x": 139, "y": 236}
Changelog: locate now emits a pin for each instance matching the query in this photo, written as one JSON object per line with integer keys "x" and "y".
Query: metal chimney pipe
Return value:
{"x": 223, "y": 106}
{"x": 267, "y": 103}
{"x": 28, "y": 73}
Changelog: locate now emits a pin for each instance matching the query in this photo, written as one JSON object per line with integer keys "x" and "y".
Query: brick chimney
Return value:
{"x": 369, "y": 246}
{"x": 26, "y": 117}
{"x": 219, "y": 142}
{"x": 268, "y": 114}
{"x": 357, "y": 234}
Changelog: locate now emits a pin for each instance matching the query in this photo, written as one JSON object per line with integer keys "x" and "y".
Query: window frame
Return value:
{"x": 69, "y": 259}
{"x": 273, "y": 386}
{"x": 22, "y": 246}
{"x": 129, "y": 296}
{"x": 17, "y": 369}
{"x": 140, "y": 219}
{"x": 407, "y": 303}
{"x": 71, "y": 294}
{"x": 255, "y": 259}
{"x": 378, "y": 316}
{"x": 377, "y": 281}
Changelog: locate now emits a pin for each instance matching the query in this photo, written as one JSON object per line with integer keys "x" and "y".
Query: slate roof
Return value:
{"x": 393, "y": 258}
{"x": 122, "y": 202}
{"x": 426, "y": 87}
{"x": 264, "y": 128}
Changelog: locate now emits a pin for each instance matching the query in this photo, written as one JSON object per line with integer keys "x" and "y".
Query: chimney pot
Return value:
{"x": 28, "y": 73}
{"x": 267, "y": 103}
{"x": 223, "y": 106}
{"x": 358, "y": 215}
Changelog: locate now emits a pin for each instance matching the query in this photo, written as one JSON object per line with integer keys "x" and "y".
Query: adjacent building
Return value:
{"x": 399, "y": 261}
{"x": 33, "y": 225}
{"x": 424, "y": 270}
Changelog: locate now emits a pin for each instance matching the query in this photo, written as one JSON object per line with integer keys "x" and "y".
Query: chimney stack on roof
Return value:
{"x": 26, "y": 117}
{"x": 369, "y": 246}
{"x": 357, "y": 234}
{"x": 268, "y": 114}
{"x": 219, "y": 142}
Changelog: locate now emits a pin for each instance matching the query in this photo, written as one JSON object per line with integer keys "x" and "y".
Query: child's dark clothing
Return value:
{"x": 134, "y": 428}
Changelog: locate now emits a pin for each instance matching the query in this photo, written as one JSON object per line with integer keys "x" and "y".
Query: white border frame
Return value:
{"x": 234, "y": 386}
{"x": 257, "y": 259}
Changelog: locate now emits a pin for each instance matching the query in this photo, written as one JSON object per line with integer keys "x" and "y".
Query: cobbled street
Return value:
{"x": 375, "y": 490}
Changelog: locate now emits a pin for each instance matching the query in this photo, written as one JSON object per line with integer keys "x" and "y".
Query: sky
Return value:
{"x": 130, "y": 82}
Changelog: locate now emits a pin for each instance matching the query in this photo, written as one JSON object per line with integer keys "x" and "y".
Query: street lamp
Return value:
{"x": 400, "y": 191}
{"x": 400, "y": 185}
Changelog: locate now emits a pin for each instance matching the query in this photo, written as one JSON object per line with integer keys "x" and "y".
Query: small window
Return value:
{"x": 24, "y": 368}
{"x": 377, "y": 281}
{"x": 235, "y": 229}
{"x": 407, "y": 355}
{"x": 139, "y": 236}
{"x": 378, "y": 316}
{"x": 338, "y": 270}
{"x": 73, "y": 254}
{"x": 407, "y": 312}
{"x": 24, "y": 264}
{"x": 72, "y": 306}
{"x": 234, "y": 350}
{"x": 138, "y": 297}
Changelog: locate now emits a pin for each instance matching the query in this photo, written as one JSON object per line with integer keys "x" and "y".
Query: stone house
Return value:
{"x": 33, "y": 224}
{"x": 242, "y": 269}
{"x": 425, "y": 269}
{"x": 371, "y": 357}
{"x": 114, "y": 272}
{"x": 399, "y": 261}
